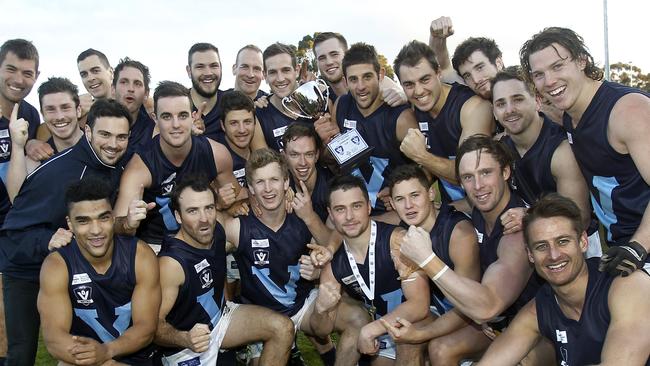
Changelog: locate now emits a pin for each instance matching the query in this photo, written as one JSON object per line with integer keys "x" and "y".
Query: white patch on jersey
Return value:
{"x": 277, "y": 132}
{"x": 261, "y": 257}
{"x": 561, "y": 337}
{"x": 569, "y": 137}
{"x": 84, "y": 295}
{"x": 479, "y": 235}
{"x": 4, "y": 133}
{"x": 202, "y": 264}
{"x": 349, "y": 279}
{"x": 79, "y": 278}
{"x": 347, "y": 123}
{"x": 239, "y": 173}
{"x": 424, "y": 126}
{"x": 260, "y": 243}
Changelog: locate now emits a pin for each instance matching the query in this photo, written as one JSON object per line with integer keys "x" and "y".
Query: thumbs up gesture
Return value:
{"x": 18, "y": 128}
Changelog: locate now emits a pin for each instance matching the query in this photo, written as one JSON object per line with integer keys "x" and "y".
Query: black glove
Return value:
{"x": 623, "y": 259}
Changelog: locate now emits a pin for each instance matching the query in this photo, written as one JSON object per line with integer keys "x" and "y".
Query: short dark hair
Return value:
{"x": 479, "y": 142}
{"x": 169, "y": 89}
{"x": 407, "y": 172}
{"x": 93, "y": 52}
{"x": 472, "y": 44}
{"x": 200, "y": 47}
{"x": 25, "y": 50}
{"x": 234, "y": 100}
{"x": 324, "y": 36}
{"x": 58, "y": 85}
{"x": 512, "y": 74}
{"x": 89, "y": 188}
{"x": 127, "y": 62}
{"x": 345, "y": 182}
{"x": 278, "y": 48}
{"x": 261, "y": 158}
{"x": 412, "y": 53}
{"x": 552, "y": 205}
{"x": 107, "y": 108}
{"x": 297, "y": 130}
{"x": 196, "y": 182}
{"x": 250, "y": 47}
{"x": 566, "y": 38}
{"x": 361, "y": 53}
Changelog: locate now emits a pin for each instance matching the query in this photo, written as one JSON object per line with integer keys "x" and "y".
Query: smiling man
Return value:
{"x": 591, "y": 317}
{"x": 446, "y": 114}
{"x": 28, "y": 234}
{"x": 608, "y": 128}
{"x": 249, "y": 71}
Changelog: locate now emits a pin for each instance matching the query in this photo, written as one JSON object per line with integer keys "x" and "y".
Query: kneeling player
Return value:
{"x": 100, "y": 294}
{"x": 591, "y": 317}
{"x": 195, "y": 321}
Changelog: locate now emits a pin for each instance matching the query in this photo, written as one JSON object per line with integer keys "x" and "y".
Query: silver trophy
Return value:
{"x": 310, "y": 101}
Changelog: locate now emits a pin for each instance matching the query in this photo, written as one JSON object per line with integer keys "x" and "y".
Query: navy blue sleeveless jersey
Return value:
{"x": 388, "y": 288}
{"x": 443, "y": 133}
{"x": 320, "y": 193}
{"x": 577, "y": 342}
{"x": 488, "y": 246}
{"x": 273, "y": 123}
{"x": 141, "y": 132}
{"x": 619, "y": 194}
{"x": 212, "y": 120}
{"x": 29, "y": 114}
{"x": 260, "y": 93}
{"x": 379, "y": 131}
{"x": 161, "y": 221}
{"x": 268, "y": 263}
{"x": 200, "y": 299}
{"x": 101, "y": 303}
{"x": 238, "y": 162}
{"x": 37, "y": 212}
{"x": 332, "y": 94}
{"x": 532, "y": 176}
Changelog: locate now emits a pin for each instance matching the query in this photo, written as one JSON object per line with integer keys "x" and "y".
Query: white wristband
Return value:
{"x": 439, "y": 274}
{"x": 427, "y": 260}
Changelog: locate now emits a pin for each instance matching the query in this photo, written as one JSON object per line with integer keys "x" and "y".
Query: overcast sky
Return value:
{"x": 159, "y": 33}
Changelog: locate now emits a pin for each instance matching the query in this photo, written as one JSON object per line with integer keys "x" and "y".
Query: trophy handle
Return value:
{"x": 288, "y": 100}
{"x": 326, "y": 93}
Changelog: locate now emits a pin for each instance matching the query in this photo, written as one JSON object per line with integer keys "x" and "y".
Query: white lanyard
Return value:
{"x": 369, "y": 292}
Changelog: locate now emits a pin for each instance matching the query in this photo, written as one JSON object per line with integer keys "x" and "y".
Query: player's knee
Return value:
{"x": 281, "y": 328}
{"x": 441, "y": 352}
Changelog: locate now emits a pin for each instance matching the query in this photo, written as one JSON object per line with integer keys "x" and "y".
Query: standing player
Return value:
{"x": 174, "y": 153}
{"x": 131, "y": 88}
{"x": 608, "y": 129}
{"x": 591, "y": 317}
{"x": 195, "y": 321}
{"x": 39, "y": 211}
{"x": 446, "y": 114}
{"x": 100, "y": 293}
{"x": 544, "y": 161}
{"x": 367, "y": 270}
{"x": 97, "y": 77}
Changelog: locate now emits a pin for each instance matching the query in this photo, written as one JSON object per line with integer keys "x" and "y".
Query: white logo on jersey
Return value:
{"x": 79, "y": 278}
{"x": 349, "y": 279}
{"x": 561, "y": 336}
{"x": 424, "y": 126}
{"x": 347, "y": 123}
{"x": 168, "y": 184}
{"x": 569, "y": 137}
{"x": 202, "y": 264}
{"x": 261, "y": 257}
{"x": 260, "y": 243}
{"x": 279, "y": 132}
{"x": 84, "y": 295}
{"x": 206, "y": 278}
{"x": 479, "y": 235}
{"x": 4, "y": 133}
{"x": 4, "y": 147}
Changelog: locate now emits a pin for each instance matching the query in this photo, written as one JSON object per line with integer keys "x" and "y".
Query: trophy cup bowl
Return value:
{"x": 309, "y": 101}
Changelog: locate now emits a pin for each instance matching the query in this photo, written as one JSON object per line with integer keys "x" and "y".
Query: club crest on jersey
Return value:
{"x": 84, "y": 295}
{"x": 206, "y": 278}
{"x": 168, "y": 184}
{"x": 261, "y": 257}
{"x": 5, "y": 148}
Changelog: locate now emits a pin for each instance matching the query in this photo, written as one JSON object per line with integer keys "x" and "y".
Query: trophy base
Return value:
{"x": 350, "y": 150}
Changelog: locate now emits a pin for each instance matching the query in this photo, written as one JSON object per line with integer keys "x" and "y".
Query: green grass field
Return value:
{"x": 309, "y": 354}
